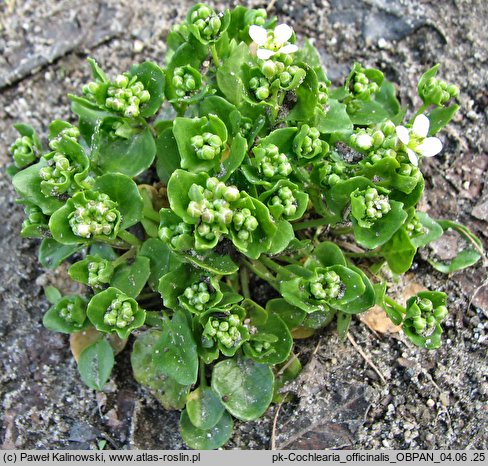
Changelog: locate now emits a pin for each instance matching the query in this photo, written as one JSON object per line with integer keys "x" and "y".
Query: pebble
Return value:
{"x": 138, "y": 46}
{"x": 444, "y": 398}
{"x": 430, "y": 403}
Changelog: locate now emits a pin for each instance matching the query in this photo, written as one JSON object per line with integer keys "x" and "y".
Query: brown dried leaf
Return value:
{"x": 80, "y": 340}
{"x": 377, "y": 320}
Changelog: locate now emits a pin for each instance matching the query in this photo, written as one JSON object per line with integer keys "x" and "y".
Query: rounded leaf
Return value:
{"x": 244, "y": 386}
{"x": 211, "y": 439}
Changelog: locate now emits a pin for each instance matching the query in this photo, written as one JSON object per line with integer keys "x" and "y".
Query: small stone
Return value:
{"x": 138, "y": 46}
{"x": 444, "y": 398}
{"x": 430, "y": 403}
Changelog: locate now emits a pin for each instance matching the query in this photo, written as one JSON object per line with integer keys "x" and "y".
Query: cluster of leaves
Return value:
{"x": 182, "y": 185}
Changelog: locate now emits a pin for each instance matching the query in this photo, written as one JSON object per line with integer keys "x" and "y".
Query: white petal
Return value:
{"x": 421, "y": 126}
{"x": 412, "y": 156}
{"x": 264, "y": 54}
{"x": 283, "y": 32}
{"x": 290, "y": 48}
{"x": 403, "y": 134}
{"x": 258, "y": 34}
{"x": 430, "y": 147}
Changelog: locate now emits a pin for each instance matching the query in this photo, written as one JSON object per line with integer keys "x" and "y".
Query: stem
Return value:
{"x": 394, "y": 304}
{"x": 124, "y": 257}
{"x": 129, "y": 238}
{"x": 244, "y": 276}
{"x": 316, "y": 222}
{"x": 419, "y": 111}
{"x": 151, "y": 214}
{"x": 341, "y": 231}
{"x": 262, "y": 272}
{"x": 278, "y": 269}
{"x": 363, "y": 254}
{"x": 201, "y": 372}
{"x": 215, "y": 56}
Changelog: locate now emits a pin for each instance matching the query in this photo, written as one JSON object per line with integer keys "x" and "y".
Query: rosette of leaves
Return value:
{"x": 205, "y": 25}
{"x": 307, "y": 143}
{"x": 201, "y": 142}
{"x": 220, "y": 331}
{"x": 285, "y": 200}
{"x": 26, "y": 149}
{"x": 190, "y": 288}
{"x": 136, "y": 94}
{"x": 375, "y": 218}
{"x": 424, "y": 314}
{"x": 98, "y": 215}
{"x": 35, "y": 224}
{"x": 111, "y": 311}
{"x": 67, "y": 314}
{"x": 93, "y": 271}
{"x": 326, "y": 283}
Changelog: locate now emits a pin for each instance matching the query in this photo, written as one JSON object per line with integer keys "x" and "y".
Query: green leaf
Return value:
{"x": 244, "y": 386}
{"x": 464, "y": 258}
{"x": 152, "y": 76}
{"x": 102, "y": 302}
{"x": 368, "y": 113}
{"x": 214, "y": 263}
{"x": 162, "y": 260}
{"x": 440, "y": 117}
{"x": 343, "y": 323}
{"x": 383, "y": 229}
{"x": 204, "y": 408}
{"x": 129, "y": 150}
{"x": 211, "y": 439}
{"x": 306, "y": 95}
{"x": 27, "y": 183}
{"x": 121, "y": 189}
{"x": 130, "y": 279}
{"x": 53, "y": 295}
{"x": 336, "y": 120}
{"x": 96, "y": 363}
{"x": 168, "y": 155}
{"x": 291, "y": 315}
{"x": 176, "y": 354}
{"x": 52, "y": 253}
{"x": 274, "y": 332}
{"x": 54, "y": 320}
{"x": 386, "y": 97}
{"x": 169, "y": 393}
{"x": 238, "y": 150}
{"x": 433, "y": 231}
{"x": 399, "y": 252}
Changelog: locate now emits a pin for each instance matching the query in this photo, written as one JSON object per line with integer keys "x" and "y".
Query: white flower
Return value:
{"x": 416, "y": 140}
{"x": 272, "y": 42}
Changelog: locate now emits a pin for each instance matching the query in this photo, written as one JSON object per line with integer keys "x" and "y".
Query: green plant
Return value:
{"x": 183, "y": 185}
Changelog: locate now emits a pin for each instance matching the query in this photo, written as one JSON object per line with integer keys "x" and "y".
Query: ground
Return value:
{"x": 380, "y": 392}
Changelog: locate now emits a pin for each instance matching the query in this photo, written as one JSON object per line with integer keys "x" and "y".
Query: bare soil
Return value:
{"x": 428, "y": 399}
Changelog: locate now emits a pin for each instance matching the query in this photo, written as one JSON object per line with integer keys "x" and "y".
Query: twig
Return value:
{"x": 271, "y": 4}
{"x": 476, "y": 291}
{"x": 366, "y": 358}
{"x": 287, "y": 365}
{"x": 273, "y": 432}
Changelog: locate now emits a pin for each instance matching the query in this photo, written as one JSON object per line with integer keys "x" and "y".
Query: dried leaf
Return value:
{"x": 80, "y": 340}
{"x": 377, "y": 320}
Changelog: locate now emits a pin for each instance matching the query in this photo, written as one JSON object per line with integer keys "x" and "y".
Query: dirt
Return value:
{"x": 393, "y": 395}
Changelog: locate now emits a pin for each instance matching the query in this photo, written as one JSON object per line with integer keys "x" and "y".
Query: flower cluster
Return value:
{"x": 271, "y": 162}
{"x": 197, "y": 295}
{"x": 94, "y": 214}
{"x": 369, "y": 206}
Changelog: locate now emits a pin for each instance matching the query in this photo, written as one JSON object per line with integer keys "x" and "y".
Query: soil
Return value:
{"x": 381, "y": 392}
